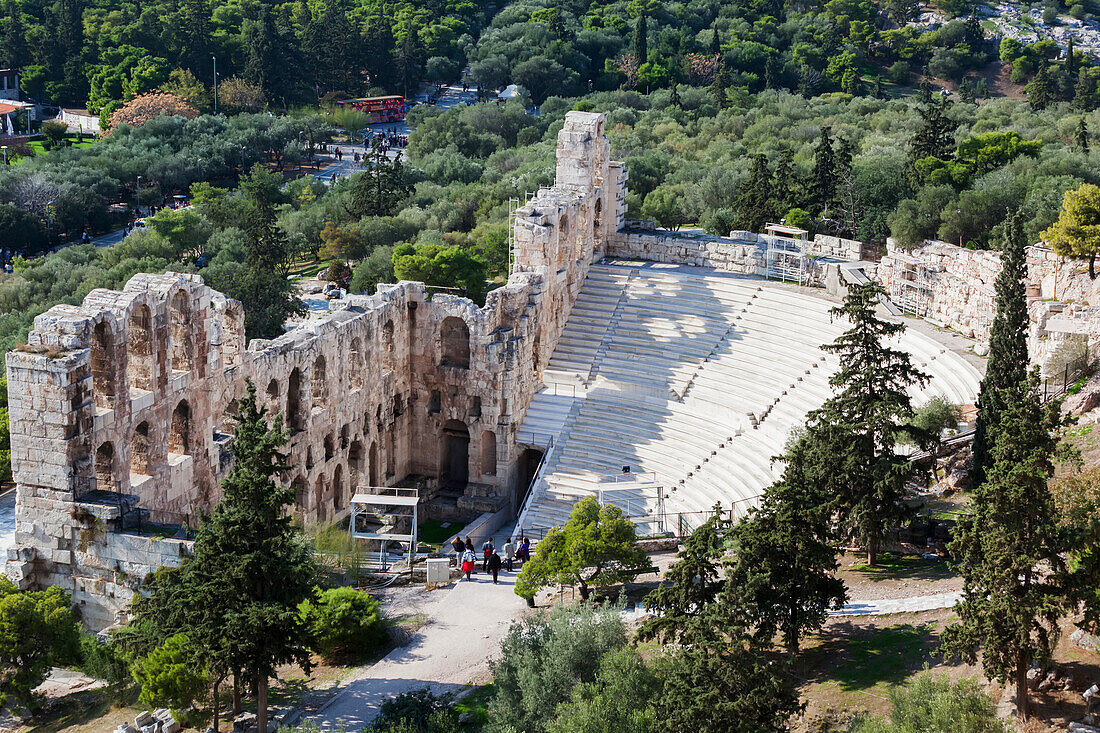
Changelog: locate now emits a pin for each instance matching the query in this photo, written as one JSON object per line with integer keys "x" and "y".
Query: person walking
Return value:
{"x": 469, "y": 545}
{"x": 469, "y": 562}
{"x": 486, "y": 550}
{"x": 459, "y": 548}
{"x": 524, "y": 553}
{"x": 494, "y": 566}
{"x": 509, "y": 550}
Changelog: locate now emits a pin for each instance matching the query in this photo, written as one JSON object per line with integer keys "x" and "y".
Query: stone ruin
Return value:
{"x": 954, "y": 287}
{"x": 121, "y": 408}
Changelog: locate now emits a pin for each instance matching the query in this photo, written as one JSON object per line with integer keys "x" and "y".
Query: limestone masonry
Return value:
{"x": 121, "y": 409}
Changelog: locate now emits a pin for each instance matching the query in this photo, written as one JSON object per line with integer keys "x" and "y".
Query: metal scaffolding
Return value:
{"x": 911, "y": 287}
{"x": 386, "y": 516}
{"x": 635, "y": 493}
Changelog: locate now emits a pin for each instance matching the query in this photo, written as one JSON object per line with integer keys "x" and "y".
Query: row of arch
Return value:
{"x": 180, "y": 442}
{"x": 105, "y": 350}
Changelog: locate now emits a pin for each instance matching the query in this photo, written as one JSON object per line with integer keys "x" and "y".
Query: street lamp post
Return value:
{"x": 137, "y": 197}
{"x": 215, "y": 84}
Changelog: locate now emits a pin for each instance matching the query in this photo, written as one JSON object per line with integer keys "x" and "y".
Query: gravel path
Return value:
{"x": 466, "y": 624}
{"x": 899, "y": 605}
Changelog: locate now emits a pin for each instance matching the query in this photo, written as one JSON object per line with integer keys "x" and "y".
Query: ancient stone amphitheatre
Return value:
{"x": 657, "y": 371}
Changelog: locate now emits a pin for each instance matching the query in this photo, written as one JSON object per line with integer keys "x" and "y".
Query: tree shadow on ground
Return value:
{"x": 892, "y": 566}
{"x": 858, "y": 658}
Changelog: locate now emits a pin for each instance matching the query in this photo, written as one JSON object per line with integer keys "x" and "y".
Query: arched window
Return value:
{"x": 293, "y": 399}
{"x": 355, "y": 465}
{"x": 338, "y": 489}
{"x": 319, "y": 497}
{"x": 139, "y": 449}
{"x": 105, "y": 467}
{"x": 597, "y": 221}
{"x": 329, "y": 449}
{"x": 455, "y": 343}
{"x": 355, "y": 364}
{"x": 300, "y": 498}
{"x": 317, "y": 382}
{"x": 489, "y": 453}
{"x": 179, "y": 437}
{"x": 139, "y": 339}
{"x": 103, "y": 367}
{"x": 372, "y": 464}
{"x": 179, "y": 317}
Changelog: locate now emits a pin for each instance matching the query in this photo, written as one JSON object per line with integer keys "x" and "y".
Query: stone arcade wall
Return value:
{"x": 1063, "y": 301}
{"x": 124, "y": 404}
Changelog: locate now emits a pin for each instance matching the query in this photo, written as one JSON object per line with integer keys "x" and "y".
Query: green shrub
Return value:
{"x": 169, "y": 676}
{"x": 418, "y": 711}
{"x": 933, "y": 704}
{"x": 104, "y": 661}
{"x": 344, "y": 622}
{"x": 544, "y": 657}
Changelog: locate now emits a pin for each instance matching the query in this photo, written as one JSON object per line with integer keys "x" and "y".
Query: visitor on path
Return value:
{"x": 524, "y": 553}
{"x": 494, "y": 566}
{"x": 459, "y": 547}
{"x": 486, "y": 550}
{"x": 509, "y": 550}
{"x": 469, "y": 545}
{"x": 469, "y": 561}
{"x": 333, "y": 179}
{"x": 339, "y": 155}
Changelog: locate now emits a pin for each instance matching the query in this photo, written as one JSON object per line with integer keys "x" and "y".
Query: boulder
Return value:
{"x": 1084, "y": 401}
{"x": 144, "y": 718}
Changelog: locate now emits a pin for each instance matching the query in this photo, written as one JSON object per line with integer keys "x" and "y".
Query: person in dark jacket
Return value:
{"x": 494, "y": 566}
{"x": 486, "y": 550}
{"x": 459, "y": 548}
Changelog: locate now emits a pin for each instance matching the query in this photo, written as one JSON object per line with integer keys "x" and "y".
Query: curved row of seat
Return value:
{"x": 696, "y": 377}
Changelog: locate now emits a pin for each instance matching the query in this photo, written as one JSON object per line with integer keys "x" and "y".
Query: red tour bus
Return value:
{"x": 379, "y": 109}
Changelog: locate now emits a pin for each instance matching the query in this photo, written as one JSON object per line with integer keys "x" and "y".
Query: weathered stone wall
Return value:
{"x": 741, "y": 252}
{"x": 124, "y": 404}
{"x": 959, "y": 292}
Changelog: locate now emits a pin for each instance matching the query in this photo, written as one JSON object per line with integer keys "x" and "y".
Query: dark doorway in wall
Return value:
{"x": 528, "y": 467}
{"x": 456, "y": 455}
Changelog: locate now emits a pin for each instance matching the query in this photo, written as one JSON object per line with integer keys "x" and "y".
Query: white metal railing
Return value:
{"x": 518, "y": 531}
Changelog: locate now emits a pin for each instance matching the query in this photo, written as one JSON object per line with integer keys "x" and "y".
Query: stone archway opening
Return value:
{"x": 105, "y": 468}
{"x": 454, "y": 343}
{"x": 488, "y": 453}
{"x": 455, "y": 473}
{"x": 356, "y": 469}
{"x": 179, "y": 434}
{"x": 293, "y": 399}
{"x": 102, "y": 359}
{"x": 139, "y": 450}
{"x": 528, "y": 466}
{"x": 355, "y": 364}
{"x": 338, "y": 489}
{"x": 317, "y": 383}
{"x": 372, "y": 464}
{"x": 139, "y": 338}
{"x": 179, "y": 317}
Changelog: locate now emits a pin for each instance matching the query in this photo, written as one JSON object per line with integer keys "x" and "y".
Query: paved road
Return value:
{"x": 466, "y": 624}
{"x": 900, "y": 605}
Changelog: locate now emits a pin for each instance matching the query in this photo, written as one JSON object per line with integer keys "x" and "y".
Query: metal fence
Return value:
{"x": 1056, "y": 385}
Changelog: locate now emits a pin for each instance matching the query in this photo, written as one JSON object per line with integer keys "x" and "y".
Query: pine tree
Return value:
{"x": 14, "y": 44}
{"x": 935, "y": 138}
{"x": 1081, "y": 136}
{"x": 879, "y": 92}
{"x": 974, "y": 35}
{"x": 641, "y": 38}
{"x": 870, "y": 405}
{"x": 237, "y": 596}
{"x": 719, "y": 88}
{"x": 753, "y": 197}
{"x": 1084, "y": 93}
{"x": 822, "y": 183}
{"x": 715, "y": 44}
{"x": 690, "y": 586}
{"x": 263, "y": 66}
{"x": 378, "y": 50}
{"x": 782, "y": 190}
{"x": 1039, "y": 91}
{"x": 783, "y": 571}
{"x": 1008, "y": 360}
{"x": 772, "y": 72}
{"x": 674, "y": 98}
{"x": 966, "y": 92}
{"x": 847, "y": 195}
{"x": 1009, "y": 550}
{"x": 1071, "y": 63}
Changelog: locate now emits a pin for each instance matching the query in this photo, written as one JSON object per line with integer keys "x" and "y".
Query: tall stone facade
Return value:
{"x": 122, "y": 407}
{"x": 954, "y": 287}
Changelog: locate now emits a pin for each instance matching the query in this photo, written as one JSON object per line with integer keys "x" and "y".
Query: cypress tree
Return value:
{"x": 1009, "y": 550}
{"x": 1084, "y": 95}
{"x": 674, "y": 99}
{"x": 869, "y": 409}
{"x": 1039, "y": 92}
{"x": 641, "y": 38}
{"x": 783, "y": 572}
{"x": 822, "y": 184}
{"x": 1081, "y": 136}
{"x": 237, "y": 596}
{"x": 782, "y": 192}
{"x": 935, "y": 138}
{"x": 753, "y": 196}
{"x": 719, "y": 88}
{"x": 1008, "y": 360}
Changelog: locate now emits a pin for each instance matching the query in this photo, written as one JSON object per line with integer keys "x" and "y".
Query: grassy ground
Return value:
{"x": 307, "y": 268}
{"x": 903, "y": 567}
{"x": 435, "y": 532}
